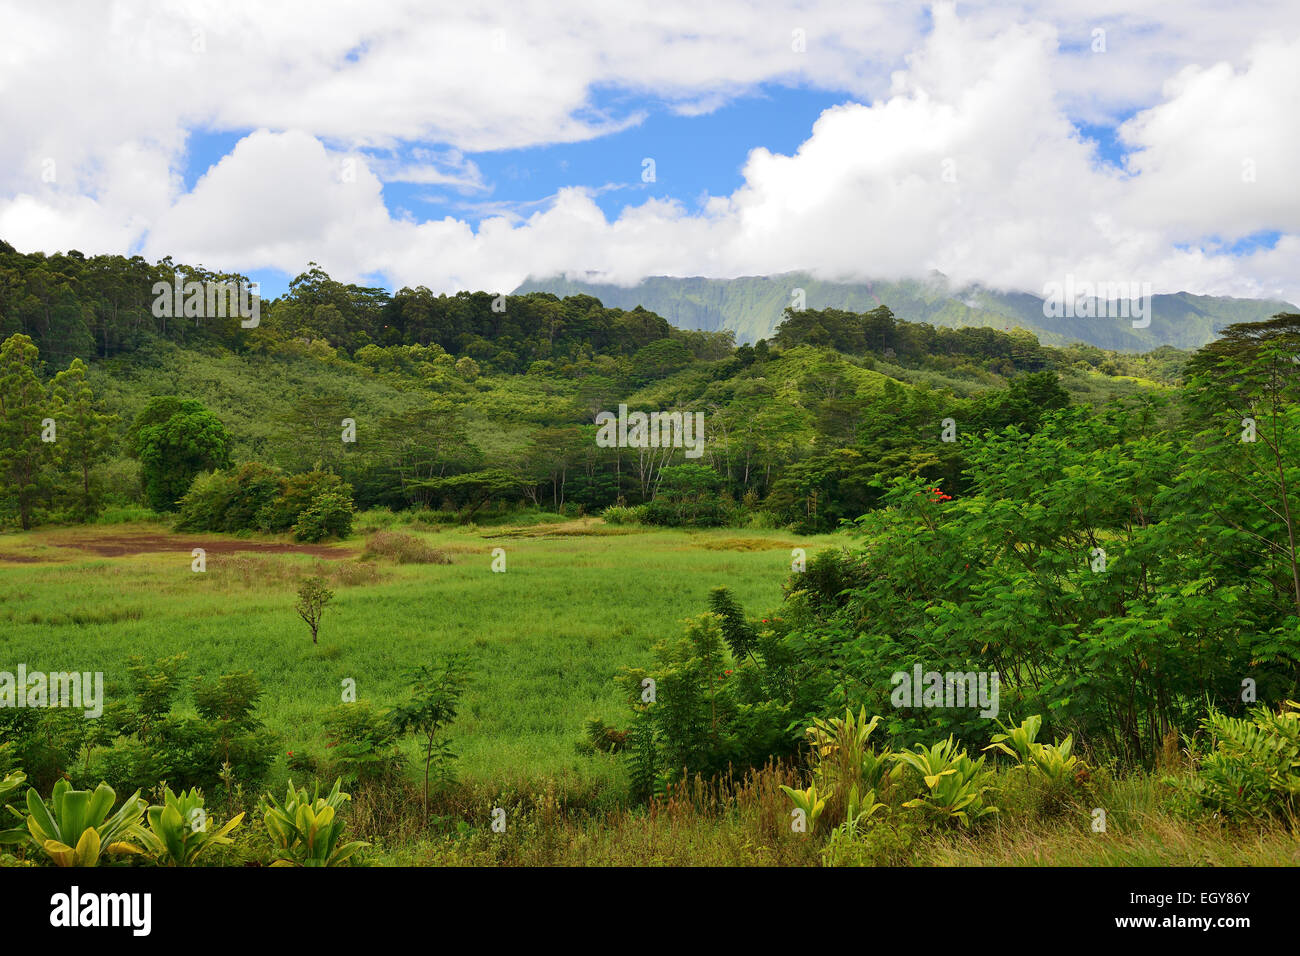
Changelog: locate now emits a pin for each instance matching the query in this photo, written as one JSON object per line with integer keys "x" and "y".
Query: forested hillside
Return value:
{"x": 458, "y": 401}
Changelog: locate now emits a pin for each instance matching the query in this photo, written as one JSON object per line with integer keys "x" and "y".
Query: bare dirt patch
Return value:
{"x": 122, "y": 545}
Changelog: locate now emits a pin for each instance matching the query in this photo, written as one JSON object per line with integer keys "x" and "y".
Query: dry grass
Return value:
{"x": 578, "y": 528}
{"x": 403, "y": 548}
{"x": 260, "y": 571}
{"x": 743, "y": 544}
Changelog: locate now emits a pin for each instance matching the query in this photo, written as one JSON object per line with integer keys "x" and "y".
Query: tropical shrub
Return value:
{"x": 141, "y": 741}
{"x": 306, "y": 830}
{"x": 435, "y": 693}
{"x": 846, "y": 773}
{"x": 179, "y": 831}
{"x": 9, "y": 785}
{"x": 362, "y": 744}
{"x": 1055, "y": 763}
{"x": 708, "y": 713}
{"x": 954, "y": 785}
{"x": 297, "y": 494}
{"x": 76, "y": 828}
{"x": 1253, "y": 766}
{"x": 229, "y": 500}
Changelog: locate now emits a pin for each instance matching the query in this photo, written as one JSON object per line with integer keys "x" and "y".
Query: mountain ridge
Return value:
{"x": 752, "y": 307}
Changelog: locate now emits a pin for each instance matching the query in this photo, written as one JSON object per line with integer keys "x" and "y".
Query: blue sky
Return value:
{"x": 695, "y": 156}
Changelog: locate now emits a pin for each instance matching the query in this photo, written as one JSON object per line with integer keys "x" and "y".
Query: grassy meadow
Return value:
{"x": 577, "y": 602}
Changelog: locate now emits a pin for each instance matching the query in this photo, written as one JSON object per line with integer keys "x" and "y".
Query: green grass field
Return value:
{"x": 577, "y": 602}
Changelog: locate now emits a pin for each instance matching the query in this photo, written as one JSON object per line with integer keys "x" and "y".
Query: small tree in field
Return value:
{"x": 313, "y": 595}
{"x": 435, "y": 696}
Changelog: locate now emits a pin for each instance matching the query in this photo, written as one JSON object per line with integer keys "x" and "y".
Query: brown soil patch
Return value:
{"x": 20, "y": 558}
{"x": 117, "y": 546}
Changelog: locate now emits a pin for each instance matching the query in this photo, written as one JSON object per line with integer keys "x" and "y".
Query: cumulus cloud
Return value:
{"x": 959, "y": 152}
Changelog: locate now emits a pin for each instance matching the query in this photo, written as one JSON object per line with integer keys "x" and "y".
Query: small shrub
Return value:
{"x": 403, "y": 548}
{"x": 876, "y": 841}
{"x": 328, "y": 516}
{"x": 1253, "y": 769}
{"x": 623, "y": 515}
{"x": 297, "y": 494}
{"x": 362, "y": 744}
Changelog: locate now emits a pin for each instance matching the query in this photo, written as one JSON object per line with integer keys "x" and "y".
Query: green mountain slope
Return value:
{"x": 752, "y": 306}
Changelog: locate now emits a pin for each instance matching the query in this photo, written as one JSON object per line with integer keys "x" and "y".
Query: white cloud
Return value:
{"x": 961, "y": 155}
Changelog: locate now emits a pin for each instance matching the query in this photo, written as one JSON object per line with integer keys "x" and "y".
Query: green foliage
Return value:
{"x": 623, "y": 515}
{"x": 230, "y": 501}
{"x": 737, "y": 632}
{"x": 362, "y": 744}
{"x": 846, "y": 775}
{"x": 1253, "y": 766}
{"x": 328, "y": 516}
{"x": 176, "y": 439}
{"x": 77, "y": 828}
{"x": 709, "y": 712}
{"x": 23, "y": 455}
{"x": 954, "y": 785}
{"x": 809, "y": 802}
{"x": 179, "y": 830}
{"x": 141, "y": 742}
{"x": 9, "y": 785}
{"x": 470, "y": 492}
{"x": 305, "y": 829}
{"x": 44, "y": 742}
{"x": 687, "y": 497}
{"x": 435, "y": 693}
{"x": 1055, "y": 763}
{"x": 325, "y": 495}
{"x": 85, "y": 438}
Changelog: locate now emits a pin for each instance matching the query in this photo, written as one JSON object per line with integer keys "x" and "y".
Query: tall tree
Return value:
{"x": 84, "y": 436}
{"x": 24, "y": 456}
